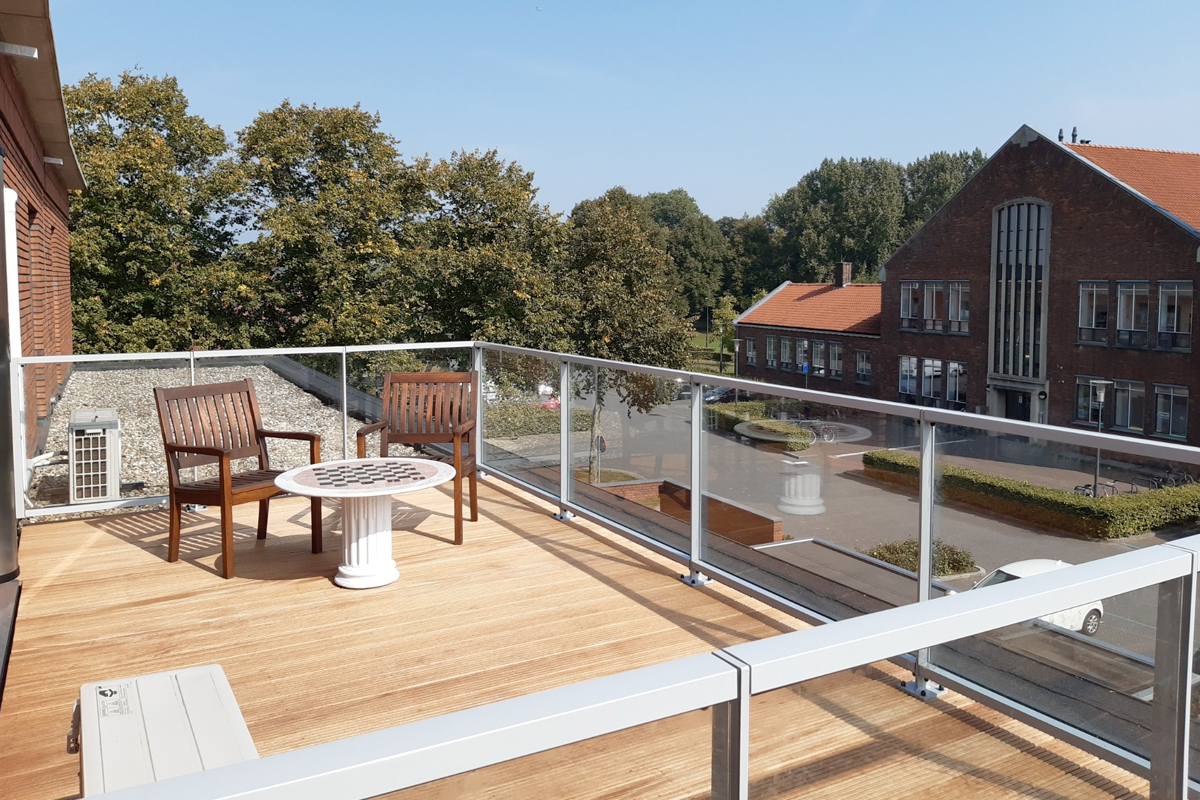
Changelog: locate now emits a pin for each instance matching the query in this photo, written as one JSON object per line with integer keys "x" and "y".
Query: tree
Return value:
{"x": 931, "y": 181}
{"x": 488, "y": 256}
{"x": 723, "y": 316}
{"x": 694, "y": 242}
{"x": 335, "y": 207}
{"x": 159, "y": 212}
{"x": 618, "y": 283}
{"x": 754, "y": 259}
{"x": 845, "y": 210}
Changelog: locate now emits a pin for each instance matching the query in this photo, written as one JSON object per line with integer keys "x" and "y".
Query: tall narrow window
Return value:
{"x": 1093, "y": 311}
{"x": 862, "y": 366}
{"x": 1085, "y": 399}
{"x": 935, "y": 313}
{"x": 1133, "y": 313}
{"x": 1175, "y": 315}
{"x": 835, "y": 360}
{"x": 960, "y": 307}
{"x": 818, "y": 358}
{"x": 1129, "y": 405}
{"x": 910, "y": 305}
{"x": 931, "y": 382}
{"x": 1020, "y": 273}
{"x": 785, "y": 353}
{"x": 908, "y": 379}
{"x": 1170, "y": 411}
{"x": 751, "y": 353}
{"x": 772, "y": 352}
{"x": 956, "y": 385}
{"x": 801, "y": 354}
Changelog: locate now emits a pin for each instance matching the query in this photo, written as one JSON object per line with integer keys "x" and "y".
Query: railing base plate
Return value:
{"x": 696, "y": 579}
{"x": 564, "y": 516}
{"x": 923, "y": 689}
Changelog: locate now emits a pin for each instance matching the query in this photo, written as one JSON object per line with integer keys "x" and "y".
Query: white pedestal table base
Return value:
{"x": 366, "y": 543}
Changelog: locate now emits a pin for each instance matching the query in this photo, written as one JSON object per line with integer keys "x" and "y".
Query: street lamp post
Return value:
{"x": 1098, "y": 388}
{"x": 721, "y": 357}
{"x": 737, "y": 348}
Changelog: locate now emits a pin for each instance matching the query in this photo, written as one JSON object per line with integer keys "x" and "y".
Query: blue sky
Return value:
{"x": 732, "y": 101}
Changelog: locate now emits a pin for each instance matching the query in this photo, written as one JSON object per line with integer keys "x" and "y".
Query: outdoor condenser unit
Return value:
{"x": 94, "y": 455}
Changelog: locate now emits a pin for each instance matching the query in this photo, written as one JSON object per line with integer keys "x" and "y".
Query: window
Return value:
{"x": 934, "y": 313}
{"x": 835, "y": 360}
{"x": 908, "y": 379}
{"x": 1133, "y": 313}
{"x": 772, "y": 349}
{"x": 1020, "y": 277}
{"x": 862, "y": 366}
{"x": 1129, "y": 405}
{"x": 910, "y": 304}
{"x": 785, "y": 354}
{"x": 801, "y": 354}
{"x": 1170, "y": 411}
{"x": 960, "y": 307}
{"x": 931, "y": 382}
{"x": 1084, "y": 405}
{"x": 818, "y": 358}
{"x": 956, "y": 385}
{"x": 1093, "y": 311}
{"x": 751, "y": 355}
{"x": 1175, "y": 315}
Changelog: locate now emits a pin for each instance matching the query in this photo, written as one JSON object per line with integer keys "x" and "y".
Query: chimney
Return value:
{"x": 842, "y": 274}
{"x": 1074, "y": 135}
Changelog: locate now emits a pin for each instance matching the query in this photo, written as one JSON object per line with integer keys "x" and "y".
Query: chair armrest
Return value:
{"x": 465, "y": 427}
{"x": 309, "y": 437}
{"x": 372, "y": 428}
{"x": 197, "y": 450}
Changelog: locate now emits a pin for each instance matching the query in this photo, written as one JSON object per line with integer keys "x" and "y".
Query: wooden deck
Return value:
{"x": 528, "y": 603}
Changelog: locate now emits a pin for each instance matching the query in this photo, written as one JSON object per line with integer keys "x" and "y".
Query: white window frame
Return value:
{"x": 1129, "y": 334}
{"x": 955, "y": 379}
{"x": 1174, "y": 333}
{"x": 751, "y": 353}
{"x": 958, "y": 312}
{"x": 835, "y": 360}
{"x": 1124, "y": 393}
{"x": 933, "y": 295}
{"x": 1090, "y": 293}
{"x": 785, "y": 353}
{"x": 909, "y": 368}
{"x": 862, "y": 366}
{"x": 931, "y": 382}
{"x": 818, "y": 357}
{"x": 1164, "y": 422}
{"x": 772, "y": 349}
{"x": 910, "y": 291}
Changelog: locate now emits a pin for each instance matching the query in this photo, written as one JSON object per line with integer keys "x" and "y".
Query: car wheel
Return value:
{"x": 1091, "y": 623}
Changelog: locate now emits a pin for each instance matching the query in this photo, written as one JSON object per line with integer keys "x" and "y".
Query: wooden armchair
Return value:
{"x": 423, "y": 408}
{"x": 218, "y": 424}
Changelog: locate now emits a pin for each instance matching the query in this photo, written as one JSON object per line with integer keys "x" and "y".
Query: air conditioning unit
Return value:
{"x": 94, "y": 455}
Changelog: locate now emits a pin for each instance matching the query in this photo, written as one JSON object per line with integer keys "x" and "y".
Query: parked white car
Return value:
{"x": 1085, "y": 619}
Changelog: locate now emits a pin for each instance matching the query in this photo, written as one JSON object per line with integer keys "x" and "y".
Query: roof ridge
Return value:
{"x": 1126, "y": 147}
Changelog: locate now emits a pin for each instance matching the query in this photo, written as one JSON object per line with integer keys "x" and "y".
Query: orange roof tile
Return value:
{"x": 1169, "y": 178}
{"x": 854, "y": 308}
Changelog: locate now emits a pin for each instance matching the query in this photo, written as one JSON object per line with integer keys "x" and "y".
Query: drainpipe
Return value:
{"x": 9, "y": 568}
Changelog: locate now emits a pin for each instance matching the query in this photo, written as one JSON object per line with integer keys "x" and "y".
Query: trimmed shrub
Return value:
{"x": 510, "y": 419}
{"x": 948, "y": 559}
{"x": 798, "y": 438}
{"x": 1100, "y": 517}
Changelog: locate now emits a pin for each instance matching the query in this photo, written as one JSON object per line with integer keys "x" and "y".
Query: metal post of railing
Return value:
{"x": 731, "y": 739}
{"x": 1171, "y": 704}
{"x": 9, "y": 492}
{"x": 345, "y": 407}
{"x": 564, "y": 441}
{"x": 477, "y": 364}
{"x": 921, "y": 686}
{"x": 696, "y": 494}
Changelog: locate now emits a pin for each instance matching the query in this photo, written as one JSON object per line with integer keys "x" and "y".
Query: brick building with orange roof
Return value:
{"x": 818, "y": 335}
{"x": 1081, "y": 261}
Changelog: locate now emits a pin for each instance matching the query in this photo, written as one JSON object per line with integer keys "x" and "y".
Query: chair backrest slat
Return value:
{"x": 223, "y": 415}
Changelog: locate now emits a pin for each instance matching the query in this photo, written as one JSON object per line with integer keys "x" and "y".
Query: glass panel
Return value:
{"x": 115, "y": 456}
{"x": 790, "y": 505}
{"x": 668, "y": 758}
{"x": 1090, "y": 666}
{"x": 631, "y": 451}
{"x": 522, "y": 418}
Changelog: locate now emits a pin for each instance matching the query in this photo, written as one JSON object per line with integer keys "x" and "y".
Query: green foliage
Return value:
{"x": 948, "y": 559}
{"x": 931, "y": 181}
{"x": 754, "y": 262}
{"x": 799, "y": 439}
{"x": 722, "y": 319}
{"x": 1099, "y": 517}
{"x": 511, "y": 419}
{"x": 697, "y": 248}
{"x": 159, "y": 211}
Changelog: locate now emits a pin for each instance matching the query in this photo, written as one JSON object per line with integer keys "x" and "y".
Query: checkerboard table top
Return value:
{"x": 362, "y": 477}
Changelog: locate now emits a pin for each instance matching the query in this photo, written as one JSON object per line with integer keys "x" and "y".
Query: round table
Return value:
{"x": 365, "y": 486}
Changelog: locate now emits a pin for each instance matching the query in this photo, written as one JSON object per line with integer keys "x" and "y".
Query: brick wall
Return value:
{"x": 847, "y": 384}
{"x": 43, "y": 266}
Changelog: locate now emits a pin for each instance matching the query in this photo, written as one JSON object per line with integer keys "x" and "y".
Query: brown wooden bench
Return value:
{"x": 217, "y": 424}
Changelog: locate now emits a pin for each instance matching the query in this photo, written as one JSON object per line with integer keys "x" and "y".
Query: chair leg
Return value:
{"x": 263, "y": 509}
{"x": 474, "y": 497}
{"x": 458, "y": 510}
{"x": 318, "y": 539}
{"x": 227, "y": 541}
{"x": 173, "y": 536}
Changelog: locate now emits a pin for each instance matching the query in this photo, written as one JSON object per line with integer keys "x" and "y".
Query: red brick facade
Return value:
{"x": 43, "y": 264}
{"x": 790, "y": 373}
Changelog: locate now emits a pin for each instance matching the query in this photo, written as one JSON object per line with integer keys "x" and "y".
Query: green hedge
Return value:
{"x": 948, "y": 559}
{"x": 1100, "y": 517}
{"x": 726, "y": 416}
{"x": 510, "y": 419}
